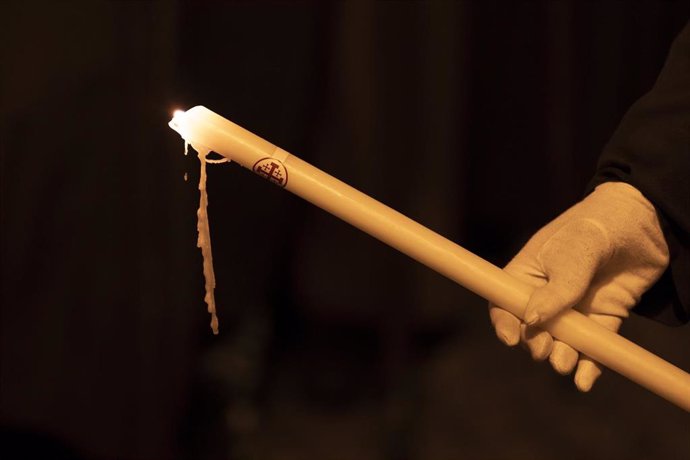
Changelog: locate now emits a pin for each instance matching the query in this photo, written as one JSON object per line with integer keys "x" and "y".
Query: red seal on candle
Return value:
{"x": 271, "y": 169}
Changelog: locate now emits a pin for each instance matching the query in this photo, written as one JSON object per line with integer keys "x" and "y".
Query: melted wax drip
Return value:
{"x": 204, "y": 242}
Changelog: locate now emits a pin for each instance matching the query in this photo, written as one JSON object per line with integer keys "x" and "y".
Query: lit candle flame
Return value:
{"x": 175, "y": 122}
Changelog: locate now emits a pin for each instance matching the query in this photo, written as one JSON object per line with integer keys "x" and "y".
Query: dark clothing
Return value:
{"x": 651, "y": 151}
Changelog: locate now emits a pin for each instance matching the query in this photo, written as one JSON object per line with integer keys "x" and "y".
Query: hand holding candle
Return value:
{"x": 598, "y": 257}
{"x": 208, "y": 131}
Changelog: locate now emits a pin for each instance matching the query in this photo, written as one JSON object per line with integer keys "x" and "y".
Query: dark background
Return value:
{"x": 482, "y": 120}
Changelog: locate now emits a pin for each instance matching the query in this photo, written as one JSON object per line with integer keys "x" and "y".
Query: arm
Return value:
{"x": 627, "y": 244}
{"x": 651, "y": 151}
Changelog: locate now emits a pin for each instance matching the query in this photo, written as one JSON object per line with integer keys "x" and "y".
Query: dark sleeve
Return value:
{"x": 651, "y": 151}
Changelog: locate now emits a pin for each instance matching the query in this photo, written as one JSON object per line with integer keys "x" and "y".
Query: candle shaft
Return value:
{"x": 206, "y": 130}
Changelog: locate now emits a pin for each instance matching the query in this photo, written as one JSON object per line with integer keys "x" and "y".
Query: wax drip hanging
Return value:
{"x": 204, "y": 235}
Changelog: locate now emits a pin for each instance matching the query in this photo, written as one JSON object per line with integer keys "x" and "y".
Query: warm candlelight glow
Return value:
{"x": 177, "y": 117}
{"x": 207, "y": 131}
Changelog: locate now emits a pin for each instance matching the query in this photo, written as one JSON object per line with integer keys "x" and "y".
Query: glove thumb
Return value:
{"x": 569, "y": 259}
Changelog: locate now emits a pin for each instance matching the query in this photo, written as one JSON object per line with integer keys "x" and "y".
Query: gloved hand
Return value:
{"x": 599, "y": 257}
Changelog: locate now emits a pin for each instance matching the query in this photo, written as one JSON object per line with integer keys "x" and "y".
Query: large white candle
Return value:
{"x": 208, "y": 131}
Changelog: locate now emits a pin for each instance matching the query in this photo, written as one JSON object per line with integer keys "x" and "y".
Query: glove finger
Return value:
{"x": 507, "y": 325}
{"x": 563, "y": 357}
{"x": 588, "y": 370}
{"x": 538, "y": 341}
{"x": 587, "y": 373}
{"x": 570, "y": 259}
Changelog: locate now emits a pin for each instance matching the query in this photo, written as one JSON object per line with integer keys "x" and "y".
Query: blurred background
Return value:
{"x": 482, "y": 120}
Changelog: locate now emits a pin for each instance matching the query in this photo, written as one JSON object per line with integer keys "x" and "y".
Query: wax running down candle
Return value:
{"x": 206, "y": 130}
{"x": 204, "y": 235}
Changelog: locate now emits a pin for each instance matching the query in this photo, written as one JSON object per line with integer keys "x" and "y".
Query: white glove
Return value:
{"x": 599, "y": 257}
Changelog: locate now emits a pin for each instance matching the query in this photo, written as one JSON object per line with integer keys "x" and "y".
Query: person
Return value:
{"x": 626, "y": 245}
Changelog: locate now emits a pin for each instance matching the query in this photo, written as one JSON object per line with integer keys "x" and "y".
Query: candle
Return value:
{"x": 207, "y": 131}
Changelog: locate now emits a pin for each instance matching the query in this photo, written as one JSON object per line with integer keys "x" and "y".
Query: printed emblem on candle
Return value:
{"x": 273, "y": 170}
